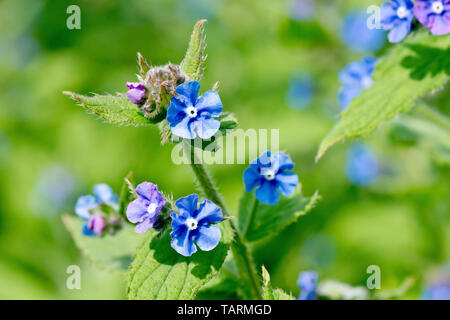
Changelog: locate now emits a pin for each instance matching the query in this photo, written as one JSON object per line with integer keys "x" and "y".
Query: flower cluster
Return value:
{"x": 270, "y": 175}
{"x": 355, "y": 77}
{"x": 93, "y": 208}
{"x": 397, "y": 17}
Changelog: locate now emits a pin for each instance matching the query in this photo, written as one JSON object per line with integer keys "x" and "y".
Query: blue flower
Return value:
{"x": 362, "y": 166}
{"x": 438, "y": 285}
{"x": 300, "y": 91}
{"x": 146, "y": 208}
{"x": 103, "y": 195}
{"x": 355, "y": 77}
{"x": 357, "y": 36}
{"x": 307, "y": 282}
{"x": 397, "y": 16}
{"x": 190, "y": 116}
{"x": 434, "y": 14}
{"x": 195, "y": 226}
{"x": 271, "y": 175}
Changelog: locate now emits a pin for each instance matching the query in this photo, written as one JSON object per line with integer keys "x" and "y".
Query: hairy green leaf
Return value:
{"x": 272, "y": 294}
{"x": 192, "y": 64}
{"x": 112, "y": 252}
{"x": 159, "y": 272}
{"x": 270, "y": 220}
{"x": 416, "y": 66}
{"x": 112, "y": 109}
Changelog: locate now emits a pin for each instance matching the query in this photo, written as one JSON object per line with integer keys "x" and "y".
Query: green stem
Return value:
{"x": 251, "y": 217}
{"x": 433, "y": 115}
{"x": 241, "y": 253}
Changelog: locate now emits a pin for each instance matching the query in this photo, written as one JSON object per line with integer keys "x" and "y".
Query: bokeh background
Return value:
{"x": 277, "y": 63}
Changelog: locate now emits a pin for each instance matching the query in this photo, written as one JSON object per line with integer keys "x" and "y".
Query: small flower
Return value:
{"x": 270, "y": 175}
{"x": 397, "y": 16}
{"x": 103, "y": 195}
{"x": 307, "y": 282}
{"x": 355, "y": 77}
{"x": 136, "y": 92}
{"x": 434, "y": 14}
{"x": 438, "y": 284}
{"x": 195, "y": 226}
{"x": 357, "y": 36}
{"x": 362, "y": 166}
{"x": 190, "y": 116}
{"x": 146, "y": 208}
{"x": 300, "y": 91}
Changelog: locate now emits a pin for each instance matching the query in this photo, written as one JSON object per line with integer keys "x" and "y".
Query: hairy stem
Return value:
{"x": 251, "y": 217}
{"x": 241, "y": 253}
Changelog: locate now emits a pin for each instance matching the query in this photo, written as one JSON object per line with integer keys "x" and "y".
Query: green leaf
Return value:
{"x": 112, "y": 252}
{"x": 412, "y": 68}
{"x": 159, "y": 272}
{"x": 272, "y": 294}
{"x": 192, "y": 64}
{"x": 112, "y": 109}
{"x": 126, "y": 193}
{"x": 433, "y": 135}
{"x": 270, "y": 220}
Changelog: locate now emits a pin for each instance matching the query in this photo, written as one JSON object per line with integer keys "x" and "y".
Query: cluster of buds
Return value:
{"x": 155, "y": 88}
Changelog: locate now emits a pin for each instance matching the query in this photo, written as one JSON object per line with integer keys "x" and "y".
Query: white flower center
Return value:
{"x": 437, "y": 7}
{"x": 191, "y": 223}
{"x": 191, "y": 112}
{"x": 152, "y": 208}
{"x": 269, "y": 174}
{"x": 366, "y": 82}
{"x": 402, "y": 12}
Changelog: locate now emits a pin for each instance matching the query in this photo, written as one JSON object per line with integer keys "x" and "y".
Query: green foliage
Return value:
{"x": 127, "y": 194}
{"x": 112, "y": 109}
{"x": 159, "y": 272}
{"x": 271, "y": 219}
{"x": 416, "y": 66}
{"x": 192, "y": 65}
{"x": 112, "y": 252}
{"x": 272, "y": 294}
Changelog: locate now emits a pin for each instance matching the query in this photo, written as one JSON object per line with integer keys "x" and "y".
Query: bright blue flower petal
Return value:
{"x": 188, "y": 92}
{"x": 398, "y": 33}
{"x": 210, "y": 104}
{"x": 187, "y": 205}
{"x": 208, "y": 237}
{"x": 286, "y": 183}
{"x": 84, "y": 205}
{"x": 281, "y": 162}
{"x": 267, "y": 193}
{"x": 252, "y": 178}
{"x": 104, "y": 194}
{"x": 208, "y": 213}
{"x": 182, "y": 242}
{"x": 205, "y": 128}
{"x": 307, "y": 282}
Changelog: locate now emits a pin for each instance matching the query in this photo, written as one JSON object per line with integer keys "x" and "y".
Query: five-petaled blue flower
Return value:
{"x": 307, "y": 282}
{"x": 103, "y": 194}
{"x": 434, "y": 14}
{"x": 362, "y": 167}
{"x": 355, "y": 77}
{"x": 146, "y": 208}
{"x": 195, "y": 225}
{"x": 397, "y": 16}
{"x": 270, "y": 175}
{"x": 190, "y": 116}
{"x": 357, "y": 36}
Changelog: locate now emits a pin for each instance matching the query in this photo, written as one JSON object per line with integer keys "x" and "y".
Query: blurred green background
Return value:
{"x": 51, "y": 151}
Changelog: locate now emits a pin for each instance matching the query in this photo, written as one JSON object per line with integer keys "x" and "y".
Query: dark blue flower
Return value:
{"x": 357, "y": 36}
{"x": 87, "y": 205}
{"x": 434, "y": 14}
{"x": 362, "y": 166}
{"x": 136, "y": 92}
{"x": 307, "y": 282}
{"x": 146, "y": 208}
{"x": 355, "y": 77}
{"x": 300, "y": 91}
{"x": 190, "y": 116}
{"x": 397, "y": 16}
{"x": 195, "y": 225}
{"x": 270, "y": 175}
